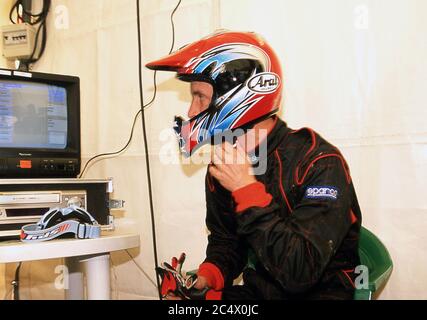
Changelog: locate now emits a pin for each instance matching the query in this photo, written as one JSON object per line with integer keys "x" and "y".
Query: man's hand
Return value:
{"x": 231, "y": 167}
{"x": 177, "y": 286}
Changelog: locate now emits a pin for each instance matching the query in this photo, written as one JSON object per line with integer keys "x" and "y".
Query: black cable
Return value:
{"x": 145, "y": 106}
{"x": 34, "y": 19}
{"x": 170, "y": 51}
{"x": 141, "y": 111}
{"x": 31, "y": 58}
{"x": 110, "y": 154}
{"x": 11, "y": 13}
{"x": 155, "y": 90}
{"x": 144, "y": 128}
{"x": 141, "y": 269}
{"x": 43, "y": 27}
{"x": 38, "y": 17}
{"x": 15, "y": 7}
{"x": 173, "y": 26}
{"x": 147, "y": 158}
{"x": 15, "y": 283}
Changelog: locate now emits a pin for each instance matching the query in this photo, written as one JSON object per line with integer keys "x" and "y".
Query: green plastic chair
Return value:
{"x": 376, "y": 257}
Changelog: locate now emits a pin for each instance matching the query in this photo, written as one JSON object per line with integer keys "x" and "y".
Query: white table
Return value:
{"x": 82, "y": 256}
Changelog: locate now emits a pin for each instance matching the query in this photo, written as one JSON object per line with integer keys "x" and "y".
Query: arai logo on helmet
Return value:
{"x": 266, "y": 82}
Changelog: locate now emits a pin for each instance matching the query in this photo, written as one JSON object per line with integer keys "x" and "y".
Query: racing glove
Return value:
{"x": 174, "y": 282}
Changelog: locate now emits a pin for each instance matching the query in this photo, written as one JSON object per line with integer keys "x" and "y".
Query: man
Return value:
{"x": 293, "y": 228}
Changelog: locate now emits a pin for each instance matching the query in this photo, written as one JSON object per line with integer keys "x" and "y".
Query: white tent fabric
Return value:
{"x": 354, "y": 71}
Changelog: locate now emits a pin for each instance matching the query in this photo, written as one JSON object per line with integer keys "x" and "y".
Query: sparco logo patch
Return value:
{"x": 321, "y": 193}
{"x": 266, "y": 82}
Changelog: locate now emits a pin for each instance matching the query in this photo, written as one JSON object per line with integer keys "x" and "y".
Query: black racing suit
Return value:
{"x": 305, "y": 242}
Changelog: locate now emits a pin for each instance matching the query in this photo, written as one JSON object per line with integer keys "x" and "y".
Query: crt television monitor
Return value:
{"x": 39, "y": 125}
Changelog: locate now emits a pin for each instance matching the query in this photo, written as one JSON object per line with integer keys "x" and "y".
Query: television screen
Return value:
{"x": 33, "y": 115}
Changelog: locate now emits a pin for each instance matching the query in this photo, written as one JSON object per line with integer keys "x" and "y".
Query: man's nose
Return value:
{"x": 194, "y": 110}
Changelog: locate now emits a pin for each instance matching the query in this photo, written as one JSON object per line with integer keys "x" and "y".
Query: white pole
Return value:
{"x": 97, "y": 270}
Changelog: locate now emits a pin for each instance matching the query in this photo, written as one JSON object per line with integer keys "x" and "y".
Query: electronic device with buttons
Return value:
{"x": 18, "y": 41}
{"x": 39, "y": 125}
{"x": 24, "y": 201}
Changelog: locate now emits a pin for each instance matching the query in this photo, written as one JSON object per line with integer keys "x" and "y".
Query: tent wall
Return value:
{"x": 354, "y": 71}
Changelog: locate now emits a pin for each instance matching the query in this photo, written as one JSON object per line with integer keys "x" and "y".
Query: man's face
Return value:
{"x": 201, "y": 93}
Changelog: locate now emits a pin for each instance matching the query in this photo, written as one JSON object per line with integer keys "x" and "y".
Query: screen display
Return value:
{"x": 32, "y": 115}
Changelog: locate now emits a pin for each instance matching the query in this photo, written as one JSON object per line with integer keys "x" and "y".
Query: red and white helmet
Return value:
{"x": 247, "y": 84}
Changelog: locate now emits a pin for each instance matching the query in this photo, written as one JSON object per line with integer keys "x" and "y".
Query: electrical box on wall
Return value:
{"x": 18, "y": 41}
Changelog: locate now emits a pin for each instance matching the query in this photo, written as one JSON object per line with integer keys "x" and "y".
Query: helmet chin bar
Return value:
{"x": 182, "y": 142}
{"x": 187, "y": 145}
{"x": 186, "y": 128}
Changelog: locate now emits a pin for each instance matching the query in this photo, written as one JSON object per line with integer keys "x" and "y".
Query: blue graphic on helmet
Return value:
{"x": 223, "y": 54}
